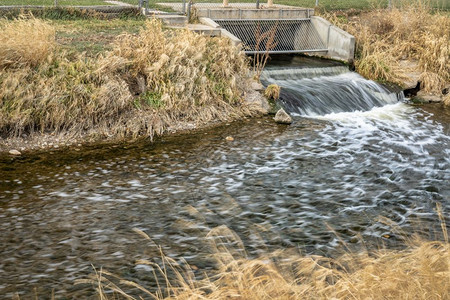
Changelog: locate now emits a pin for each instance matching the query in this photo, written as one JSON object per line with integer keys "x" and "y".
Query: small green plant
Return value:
{"x": 151, "y": 99}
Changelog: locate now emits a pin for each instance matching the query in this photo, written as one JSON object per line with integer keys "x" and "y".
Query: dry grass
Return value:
{"x": 272, "y": 92}
{"x": 146, "y": 84}
{"x": 25, "y": 42}
{"x": 422, "y": 271}
{"x": 265, "y": 42}
{"x": 446, "y": 100}
{"x": 409, "y": 31}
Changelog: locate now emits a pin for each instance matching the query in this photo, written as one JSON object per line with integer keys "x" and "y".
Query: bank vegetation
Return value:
{"x": 148, "y": 83}
{"x": 409, "y": 40}
{"x": 420, "y": 271}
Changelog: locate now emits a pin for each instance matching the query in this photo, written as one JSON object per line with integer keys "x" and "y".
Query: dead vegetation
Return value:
{"x": 409, "y": 31}
{"x": 146, "y": 84}
{"x": 446, "y": 100}
{"x": 272, "y": 92}
{"x": 422, "y": 271}
{"x": 25, "y": 42}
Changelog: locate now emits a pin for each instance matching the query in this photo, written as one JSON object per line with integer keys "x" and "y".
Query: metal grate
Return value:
{"x": 289, "y": 36}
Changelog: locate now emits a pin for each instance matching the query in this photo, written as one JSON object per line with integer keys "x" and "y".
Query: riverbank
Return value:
{"x": 143, "y": 84}
{"x": 81, "y": 82}
{"x": 403, "y": 45}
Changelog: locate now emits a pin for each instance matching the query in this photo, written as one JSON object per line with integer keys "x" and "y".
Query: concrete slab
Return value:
{"x": 201, "y": 29}
{"x": 209, "y": 22}
{"x": 171, "y": 20}
{"x": 120, "y": 3}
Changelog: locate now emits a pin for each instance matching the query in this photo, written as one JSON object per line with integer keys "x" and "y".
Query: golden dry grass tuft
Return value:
{"x": 273, "y": 92}
{"x": 25, "y": 41}
{"x": 422, "y": 271}
{"x": 181, "y": 73}
{"x": 410, "y": 31}
{"x": 148, "y": 83}
{"x": 446, "y": 100}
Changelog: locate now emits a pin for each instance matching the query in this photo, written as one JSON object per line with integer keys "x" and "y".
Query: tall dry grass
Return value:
{"x": 25, "y": 42}
{"x": 422, "y": 271}
{"x": 446, "y": 100}
{"x": 148, "y": 83}
{"x": 412, "y": 31}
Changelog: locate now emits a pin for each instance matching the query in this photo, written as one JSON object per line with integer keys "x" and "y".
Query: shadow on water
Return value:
{"x": 276, "y": 186}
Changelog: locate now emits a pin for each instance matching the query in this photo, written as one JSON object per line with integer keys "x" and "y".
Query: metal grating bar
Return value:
{"x": 288, "y": 36}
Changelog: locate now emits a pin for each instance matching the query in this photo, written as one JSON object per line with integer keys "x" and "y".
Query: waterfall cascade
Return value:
{"x": 320, "y": 91}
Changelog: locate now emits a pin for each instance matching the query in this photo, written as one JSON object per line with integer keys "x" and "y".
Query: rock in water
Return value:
{"x": 14, "y": 152}
{"x": 282, "y": 117}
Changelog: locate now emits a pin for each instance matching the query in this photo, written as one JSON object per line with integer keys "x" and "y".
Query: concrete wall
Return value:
{"x": 217, "y": 14}
{"x": 340, "y": 44}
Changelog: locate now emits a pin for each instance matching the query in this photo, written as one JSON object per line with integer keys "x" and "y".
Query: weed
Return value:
{"x": 265, "y": 42}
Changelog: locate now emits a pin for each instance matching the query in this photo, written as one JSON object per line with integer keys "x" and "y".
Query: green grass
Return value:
{"x": 92, "y": 35}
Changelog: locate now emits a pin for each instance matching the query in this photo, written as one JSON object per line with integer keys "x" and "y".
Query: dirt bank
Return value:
{"x": 402, "y": 45}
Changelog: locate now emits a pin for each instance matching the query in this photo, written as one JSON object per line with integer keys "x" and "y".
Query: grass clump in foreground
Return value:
{"x": 421, "y": 271}
{"x": 149, "y": 82}
{"x": 412, "y": 32}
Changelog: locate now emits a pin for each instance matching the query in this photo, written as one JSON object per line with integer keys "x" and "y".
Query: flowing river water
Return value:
{"x": 275, "y": 186}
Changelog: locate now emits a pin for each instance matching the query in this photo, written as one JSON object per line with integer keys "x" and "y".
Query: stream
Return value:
{"x": 330, "y": 177}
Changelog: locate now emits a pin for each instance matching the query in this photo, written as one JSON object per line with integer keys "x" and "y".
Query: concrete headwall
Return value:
{"x": 340, "y": 44}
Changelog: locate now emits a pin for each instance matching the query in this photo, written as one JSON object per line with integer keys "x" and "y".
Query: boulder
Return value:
{"x": 256, "y": 86}
{"x": 429, "y": 97}
{"x": 282, "y": 117}
{"x": 257, "y": 101}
